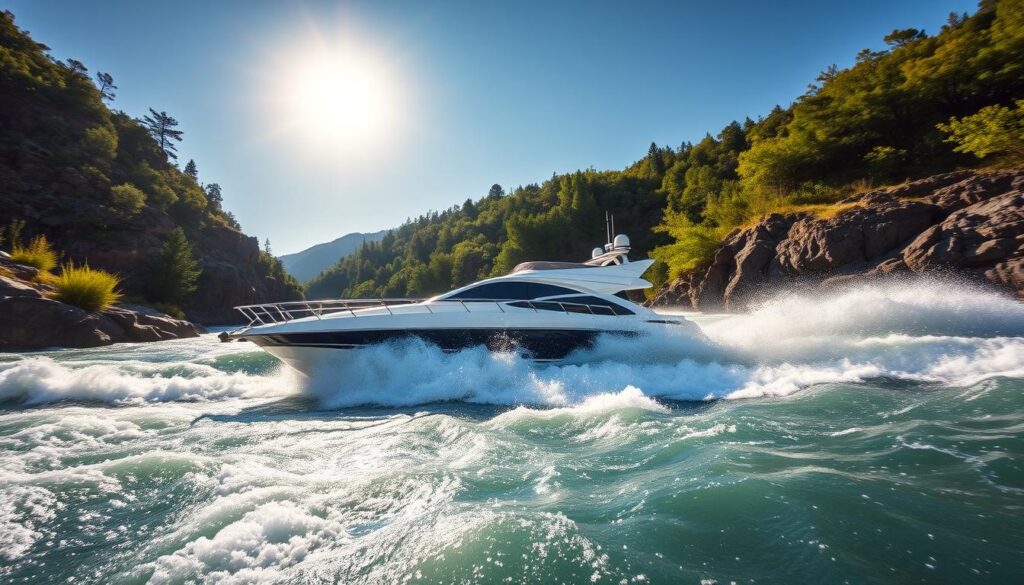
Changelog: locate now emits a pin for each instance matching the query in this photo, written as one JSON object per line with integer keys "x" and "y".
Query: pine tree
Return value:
{"x": 901, "y": 37}
{"x": 176, "y": 270}
{"x": 106, "y": 86}
{"x": 654, "y": 155}
{"x": 214, "y": 199}
{"x": 77, "y": 67}
{"x": 161, "y": 127}
{"x": 191, "y": 169}
{"x": 266, "y": 247}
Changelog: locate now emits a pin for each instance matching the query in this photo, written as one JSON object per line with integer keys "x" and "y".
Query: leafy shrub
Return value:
{"x": 694, "y": 244}
{"x": 100, "y": 143}
{"x": 127, "y": 199}
{"x": 994, "y": 130}
{"x": 85, "y": 288}
{"x": 38, "y": 254}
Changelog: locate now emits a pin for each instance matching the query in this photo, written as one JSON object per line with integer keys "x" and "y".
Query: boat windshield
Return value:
{"x": 512, "y": 290}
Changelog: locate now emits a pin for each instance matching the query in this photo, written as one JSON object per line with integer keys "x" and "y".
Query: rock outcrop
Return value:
{"x": 228, "y": 258}
{"x": 30, "y": 319}
{"x": 967, "y": 223}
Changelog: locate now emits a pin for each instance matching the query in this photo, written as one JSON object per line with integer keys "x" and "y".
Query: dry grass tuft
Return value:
{"x": 85, "y": 288}
{"x": 38, "y": 254}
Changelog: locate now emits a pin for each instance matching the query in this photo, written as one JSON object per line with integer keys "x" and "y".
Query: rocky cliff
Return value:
{"x": 104, "y": 191}
{"x": 965, "y": 223}
{"x": 30, "y": 319}
{"x": 230, "y": 260}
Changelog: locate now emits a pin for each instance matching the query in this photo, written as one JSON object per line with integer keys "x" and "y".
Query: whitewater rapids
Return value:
{"x": 873, "y": 434}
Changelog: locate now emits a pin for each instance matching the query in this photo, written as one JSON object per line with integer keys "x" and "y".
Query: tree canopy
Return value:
{"x": 926, "y": 104}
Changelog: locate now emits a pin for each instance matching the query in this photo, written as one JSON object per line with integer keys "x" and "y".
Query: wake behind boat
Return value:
{"x": 544, "y": 310}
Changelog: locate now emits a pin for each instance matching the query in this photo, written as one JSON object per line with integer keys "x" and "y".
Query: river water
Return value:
{"x": 873, "y": 435}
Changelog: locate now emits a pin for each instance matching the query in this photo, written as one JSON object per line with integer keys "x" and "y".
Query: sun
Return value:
{"x": 335, "y": 100}
{"x": 339, "y": 100}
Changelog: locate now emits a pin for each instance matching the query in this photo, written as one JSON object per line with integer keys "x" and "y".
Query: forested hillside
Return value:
{"x": 308, "y": 263}
{"x": 106, "y": 188}
{"x": 926, "y": 104}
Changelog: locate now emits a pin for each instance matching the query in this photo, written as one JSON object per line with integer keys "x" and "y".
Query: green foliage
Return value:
{"x": 85, "y": 288}
{"x": 694, "y": 243}
{"x": 105, "y": 85}
{"x": 561, "y": 219}
{"x": 100, "y": 144}
{"x": 127, "y": 199}
{"x": 174, "y": 274}
{"x": 269, "y": 267}
{"x": 875, "y": 122}
{"x": 994, "y": 130}
{"x": 37, "y": 254}
{"x": 61, "y": 139}
{"x": 163, "y": 129}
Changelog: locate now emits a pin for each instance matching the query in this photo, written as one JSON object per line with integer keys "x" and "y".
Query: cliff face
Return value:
{"x": 964, "y": 223}
{"x": 103, "y": 191}
{"x": 129, "y": 247}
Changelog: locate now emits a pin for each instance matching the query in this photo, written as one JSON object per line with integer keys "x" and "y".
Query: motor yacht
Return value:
{"x": 543, "y": 310}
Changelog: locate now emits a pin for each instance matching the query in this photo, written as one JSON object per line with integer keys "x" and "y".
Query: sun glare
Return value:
{"x": 335, "y": 100}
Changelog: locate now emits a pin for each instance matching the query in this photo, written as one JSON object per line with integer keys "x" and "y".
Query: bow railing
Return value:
{"x": 270, "y": 313}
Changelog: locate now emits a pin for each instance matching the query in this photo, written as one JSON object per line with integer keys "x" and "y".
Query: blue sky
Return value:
{"x": 478, "y": 92}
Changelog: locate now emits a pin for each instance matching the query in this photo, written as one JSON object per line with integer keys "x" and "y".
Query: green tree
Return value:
{"x": 105, "y": 83}
{"x": 993, "y": 130}
{"x": 77, "y": 67}
{"x": 901, "y": 37}
{"x": 163, "y": 129}
{"x": 174, "y": 275}
{"x": 214, "y": 198}
{"x": 654, "y": 156}
{"x": 191, "y": 169}
{"x": 127, "y": 199}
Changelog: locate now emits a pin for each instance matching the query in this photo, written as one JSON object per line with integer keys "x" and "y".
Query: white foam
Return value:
{"x": 41, "y": 380}
{"x": 929, "y": 331}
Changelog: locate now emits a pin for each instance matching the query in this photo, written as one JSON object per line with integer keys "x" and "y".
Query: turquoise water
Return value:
{"x": 871, "y": 436}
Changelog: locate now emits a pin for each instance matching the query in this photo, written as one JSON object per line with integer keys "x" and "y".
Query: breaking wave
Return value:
{"x": 42, "y": 380}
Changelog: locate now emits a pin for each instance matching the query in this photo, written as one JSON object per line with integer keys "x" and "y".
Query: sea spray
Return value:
{"x": 926, "y": 333}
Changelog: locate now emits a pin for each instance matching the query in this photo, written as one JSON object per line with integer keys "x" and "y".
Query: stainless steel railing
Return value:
{"x": 269, "y": 313}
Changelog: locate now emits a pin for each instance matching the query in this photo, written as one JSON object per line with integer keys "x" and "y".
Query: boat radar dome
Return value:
{"x": 596, "y": 252}
{"x": 621, "y": 241}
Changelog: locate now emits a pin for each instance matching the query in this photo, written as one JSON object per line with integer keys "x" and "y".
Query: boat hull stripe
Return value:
{"x": 544, "y": 344}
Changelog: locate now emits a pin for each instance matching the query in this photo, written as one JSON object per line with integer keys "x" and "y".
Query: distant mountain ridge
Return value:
{"x": 308, "y": 263}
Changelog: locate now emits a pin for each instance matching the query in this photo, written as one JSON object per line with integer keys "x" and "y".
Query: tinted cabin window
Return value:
{"x": 500, "y": 291}
{"x": 577, "y": 304}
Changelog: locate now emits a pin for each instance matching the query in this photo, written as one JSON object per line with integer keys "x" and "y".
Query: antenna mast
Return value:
{"x": 607, "y": 227}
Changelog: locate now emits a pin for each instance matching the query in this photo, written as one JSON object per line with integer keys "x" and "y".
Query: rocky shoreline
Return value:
{"x": 966, "y": 223}
{"x": 30, "y": 320}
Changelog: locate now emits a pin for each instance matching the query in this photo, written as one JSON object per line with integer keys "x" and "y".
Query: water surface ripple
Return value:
{"x": 811, "y": 440}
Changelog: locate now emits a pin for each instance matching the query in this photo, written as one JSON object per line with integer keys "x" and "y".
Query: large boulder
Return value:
{"x": 30, "y": 319}
{"x": 968, "y": 222}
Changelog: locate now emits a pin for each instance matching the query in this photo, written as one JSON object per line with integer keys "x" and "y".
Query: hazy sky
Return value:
{"x": 436, "y": 101}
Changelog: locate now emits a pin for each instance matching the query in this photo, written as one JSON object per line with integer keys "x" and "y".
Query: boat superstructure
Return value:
{"x": 545, "y": 310}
